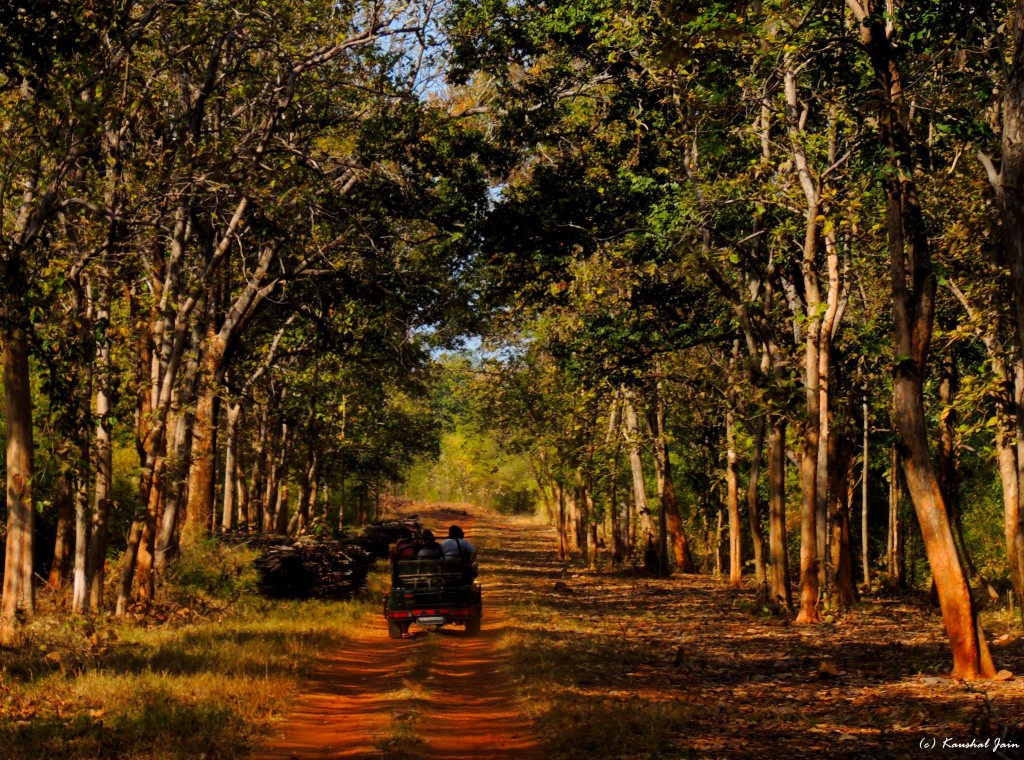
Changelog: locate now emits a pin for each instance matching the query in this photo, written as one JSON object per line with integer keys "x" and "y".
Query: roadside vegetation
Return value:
{"x": 204, "y": 674}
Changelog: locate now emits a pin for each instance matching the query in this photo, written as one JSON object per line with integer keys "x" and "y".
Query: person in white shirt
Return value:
{"x": 457, "y": 547}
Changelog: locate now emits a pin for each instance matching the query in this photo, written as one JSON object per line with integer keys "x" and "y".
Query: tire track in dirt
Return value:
{"x": 431, "y": 695}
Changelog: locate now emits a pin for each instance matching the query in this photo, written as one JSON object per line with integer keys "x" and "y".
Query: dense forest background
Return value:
{"x": 744, "y": 284}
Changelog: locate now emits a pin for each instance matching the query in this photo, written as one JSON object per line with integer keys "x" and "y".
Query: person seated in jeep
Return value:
{"x": 457, "y": 547}
{"x": 430, "y": 549}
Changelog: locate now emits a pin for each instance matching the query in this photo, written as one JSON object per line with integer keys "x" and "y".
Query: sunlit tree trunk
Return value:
{"x": 18, "y": 593}
{"x": 669, "y": 519}
{"x": 102, "y": 451}
{"x": 811, "y": 316}
{"x": 732, "y": 500}
{"x": 913, "y": 298}
{"x": 631, "y": 435}
{"x": 562, "y": 540}
{"x": 177, "y": 463}
{"x": 82, "y": 481}
{"x": 229, "y": 513}
{"x": 780, "y": 592}
{"x": 864, "y": 534}
{"x": 201, "y": 473}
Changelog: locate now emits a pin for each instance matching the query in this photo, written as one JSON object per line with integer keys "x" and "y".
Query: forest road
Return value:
{"x": 434, "y": 694}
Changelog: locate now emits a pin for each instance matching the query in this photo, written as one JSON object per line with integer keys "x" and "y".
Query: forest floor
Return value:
{"x": 573, "y": 664}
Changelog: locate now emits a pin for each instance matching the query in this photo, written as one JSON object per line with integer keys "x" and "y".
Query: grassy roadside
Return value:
{"x": 205, "y": 676}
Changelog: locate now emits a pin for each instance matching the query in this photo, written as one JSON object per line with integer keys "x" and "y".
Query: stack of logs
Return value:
{"x": 308, "y": 567}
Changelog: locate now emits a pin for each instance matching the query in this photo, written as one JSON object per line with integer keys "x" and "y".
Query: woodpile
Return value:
{"x": 308, "y": 567}
{"x": 380, "y": 536}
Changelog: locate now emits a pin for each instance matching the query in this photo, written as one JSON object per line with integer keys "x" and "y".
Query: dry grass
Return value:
{"x": 204, "y": 677}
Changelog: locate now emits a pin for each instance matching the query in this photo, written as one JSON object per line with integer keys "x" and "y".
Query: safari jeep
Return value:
{"x": 430, "y": 592}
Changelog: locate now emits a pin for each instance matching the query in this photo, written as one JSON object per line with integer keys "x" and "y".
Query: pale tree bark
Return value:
{"x": 809, "y": 582}
{"x": 229, "y": 513}
{"x": 102, "y": 449}
{"x": 182, "y": 406}
{"x": 835, "y": 306}
{"x": 631, "y": 436}
{"x": 81, "y": 485}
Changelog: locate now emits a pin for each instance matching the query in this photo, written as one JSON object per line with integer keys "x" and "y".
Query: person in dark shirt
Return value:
{"x": 431, "y": 549}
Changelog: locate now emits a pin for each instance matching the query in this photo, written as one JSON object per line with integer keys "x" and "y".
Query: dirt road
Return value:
{"x": 431, "y": 695}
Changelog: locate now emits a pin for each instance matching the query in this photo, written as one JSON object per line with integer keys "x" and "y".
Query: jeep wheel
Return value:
{"x": 395, "y": 630}
{"x": 473, "y": 626}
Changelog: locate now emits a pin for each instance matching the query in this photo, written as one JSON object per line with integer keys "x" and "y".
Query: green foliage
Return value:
{"x": 471, "y": 467}
{"x": 210, "y": 570}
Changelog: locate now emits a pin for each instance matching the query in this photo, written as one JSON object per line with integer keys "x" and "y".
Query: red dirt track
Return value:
{"x": 431, "y": 695}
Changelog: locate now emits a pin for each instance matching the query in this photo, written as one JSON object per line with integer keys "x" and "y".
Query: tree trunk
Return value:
{"x": 229, "y": 513}
{"x": 732, "y": 499}
{"x": 864, "y": 535}
{"x": 257, "y": 487}
{"x": 589, "y": 520}
{"x": 281, "y": 512}
{"x": 894, "y": 554}
{"x": 103, "y": 453}
{"x": 631, "y": 435}
{"x": 571, "y": 520}
{"x": 754, "y": 508}
{"x": 947, "y": 455}
{"x": 563, "y": 553}
{"x": 670, "y": 521}
{"x": 777, "y": 512}
{"x": 202, "y": 472}
{"x": 719, "y": 543}
{"x": 840, "y": 501}
{"x": 177, "y": 468}
{"x": 64, "y": 499}
{"x": 1010, "y": 194}
{"x": 913, "y": 298}
{"x": 79, "y": 583}
{"x": 1007, "y": 452}
{"x": 808, "y": 612}
{"x": 18, "y": 592}
{"x": 614, "y": 519}
{"x": 242, "y": 487}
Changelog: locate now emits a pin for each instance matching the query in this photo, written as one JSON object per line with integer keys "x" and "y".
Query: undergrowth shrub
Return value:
{"x": 212, "y": 571}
